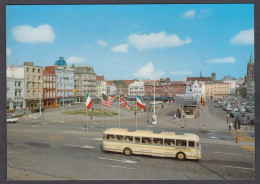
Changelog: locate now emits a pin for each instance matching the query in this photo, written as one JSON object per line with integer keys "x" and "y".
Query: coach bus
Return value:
{"x": 162, "y": 144}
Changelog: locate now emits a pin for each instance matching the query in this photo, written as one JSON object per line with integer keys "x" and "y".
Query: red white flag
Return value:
{"x": 89, "y": 102}
{"x": 106, "y": 101}
{"x": 124, "y": 103}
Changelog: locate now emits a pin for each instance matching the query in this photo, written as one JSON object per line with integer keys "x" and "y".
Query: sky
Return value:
{"x": 135, "y": 41}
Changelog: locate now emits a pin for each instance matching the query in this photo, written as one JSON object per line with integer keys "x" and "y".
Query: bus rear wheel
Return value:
{"x": 181, "y": 156}
{"x": 127, "y": 152}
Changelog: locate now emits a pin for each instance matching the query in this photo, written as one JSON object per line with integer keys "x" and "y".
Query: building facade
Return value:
{"x": 33, "y": 81}
{"x": 85, "y": 82}
{"x": 101, "y": 86}
{"x": 49, "y": 87}
{"x": 195, "y": 89}
{"x": 15, "y": 88}
{"x": 232, "y": 83}
{"x": 111, "y": 88}
{"x": 121, "y": 88}
{"x": 217, "y": 90}
{"x": 136, "y": 88}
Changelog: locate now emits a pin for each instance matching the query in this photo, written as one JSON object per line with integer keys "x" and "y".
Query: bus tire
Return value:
{"x": 127, "y": 152}
{"x": 180, "y": 156}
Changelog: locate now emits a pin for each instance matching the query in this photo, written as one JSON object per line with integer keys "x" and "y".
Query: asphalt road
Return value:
{"x": 60, "y": 147}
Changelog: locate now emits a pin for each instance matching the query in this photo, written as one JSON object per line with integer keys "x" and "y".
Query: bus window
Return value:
{"x": 191, "y": 144}
{"x": 147, "y": 140}
{"x": 137, "y": 139}
{"x": 157, "y": 141}
{"x": 110, "y": 137}
{"x": 104, "y": 136}
{"x": 120, "y": 137}
{"x": 170, "y": 142}
{"x": 129, "y": 138}
{"x": 181, "y": 142}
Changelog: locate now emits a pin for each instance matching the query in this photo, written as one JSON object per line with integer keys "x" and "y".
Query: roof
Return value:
{"x": 110, "y": 83}
{"x": 146, "y": 133}
{"x": 198, "y": 79}
{"x": 128, "y": 82}
{"x": 61, "y": 62}
{"x": 100, "y": 78}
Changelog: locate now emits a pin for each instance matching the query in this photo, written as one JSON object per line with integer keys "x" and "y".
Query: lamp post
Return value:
{"x": 38, "y": 82}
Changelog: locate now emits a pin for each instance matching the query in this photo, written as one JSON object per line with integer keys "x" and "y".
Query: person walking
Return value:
{"x": 230, "y": 125}
{"x": 204, "y": 129}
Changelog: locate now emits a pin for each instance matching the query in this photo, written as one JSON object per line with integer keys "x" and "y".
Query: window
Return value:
{"x": 39, "y": 77}
{"x": 170, "y": 142}
{"x": 33, "y": 70}
{"x": 110, "y": 137}
{"x": 129, "y": 138}
{"x": 137, "y": 139}
{"x": 157, "y": 141}
{"x": 39, "y": 70}
{"x": 181, "y": 142}
{"x": 15, "y": 93}
{"x": 120, "y": 137}
{"x": 19, "y": 83}
{"x": 191, "y": 144}
{"x": 146, "y": 140}
{"x": 33, "y": 93}
{"x": 27, "y": 69}
{"x": 28, "y": 93}
{"x": 15, "y": 83}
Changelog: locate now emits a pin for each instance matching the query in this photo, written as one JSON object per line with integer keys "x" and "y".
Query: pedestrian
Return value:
{"x": 174, "y": 116}
{"x": 178, "y": 111}
{"x": 230, "y": 125}
{"x": 162, "y": 106}
{"x": 204, "y": 129}
{"x": 227, "y": 120}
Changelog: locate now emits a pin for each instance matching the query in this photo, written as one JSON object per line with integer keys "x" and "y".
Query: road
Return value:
{"x": 61, "y": 148}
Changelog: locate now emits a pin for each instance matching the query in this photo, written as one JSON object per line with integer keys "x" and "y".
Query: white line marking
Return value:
{"x": 34, "y": 126}
{"x": 240, "y": 168}
{"x": 120, "y": 167}
{"x": 79, "y": 146}
{"x": 124, "y": 160}
{"x": 227, "y": 153}
{"x": 9, "y": 152}
{"x": 213, "y": 137}
{"x": 94, "y": 139}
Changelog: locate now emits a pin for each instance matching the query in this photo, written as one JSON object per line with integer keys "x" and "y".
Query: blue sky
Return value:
{"x": 135, "y": 41}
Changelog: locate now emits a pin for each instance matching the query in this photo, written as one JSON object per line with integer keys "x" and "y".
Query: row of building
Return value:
{"x": 28, "y": 86}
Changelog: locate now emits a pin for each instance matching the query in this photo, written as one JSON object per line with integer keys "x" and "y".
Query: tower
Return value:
{"x": 250, "y": 71}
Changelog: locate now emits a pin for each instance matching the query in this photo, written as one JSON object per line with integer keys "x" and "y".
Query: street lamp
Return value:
{"x": 38, "y": 82}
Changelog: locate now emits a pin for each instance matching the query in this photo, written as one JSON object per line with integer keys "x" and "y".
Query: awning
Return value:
{"x": 67, "y": 99}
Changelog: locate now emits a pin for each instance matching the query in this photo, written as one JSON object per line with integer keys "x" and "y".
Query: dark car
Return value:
{"x": 37, "y": 110}
{"x": 242, "y": 120}
{"x": 18, "y": 113}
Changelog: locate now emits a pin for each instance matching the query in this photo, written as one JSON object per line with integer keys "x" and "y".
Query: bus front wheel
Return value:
{"x": 127, "y": 152}
{"x": 180, "y": 156}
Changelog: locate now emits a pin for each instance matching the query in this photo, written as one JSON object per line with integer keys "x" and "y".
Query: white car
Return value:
{"x": 12, "y": 120}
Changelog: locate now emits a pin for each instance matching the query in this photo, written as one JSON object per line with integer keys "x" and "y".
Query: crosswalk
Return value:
{"x": 242, "y": 137}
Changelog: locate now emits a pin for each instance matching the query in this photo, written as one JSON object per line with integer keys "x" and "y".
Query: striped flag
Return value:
{"x": 89, "y": 102}
{"x": 124, "y": 103}
{"x": 106, "y": 101}
{"x": 139, "y": 102}
{"x": 202, "y": 101}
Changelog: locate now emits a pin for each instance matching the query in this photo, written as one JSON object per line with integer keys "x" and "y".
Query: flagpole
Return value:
{"x": 119, "y": 109}
{"x": 87, "y": 117}
{"x": 136, "y": 112}
{"x": 102, "y": 113}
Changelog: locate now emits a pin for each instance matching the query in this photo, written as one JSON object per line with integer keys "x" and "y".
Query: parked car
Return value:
{"x": 18, "y": 113}
{"x": 227, "y": 108}
{"x": 37, "y": 110}
{"x": 235, "y": 109}
{"x": 241, "y": 108}
{"x": 251, "y": 110}
{"x": 12, "y": 120}
{"x": 233, "y": 114}
{"x": 242, "y": 120}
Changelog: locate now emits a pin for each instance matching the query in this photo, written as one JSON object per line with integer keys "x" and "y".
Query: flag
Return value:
{"x": 139, "y": 102}
{"x": 106, "y": 101}
{"x": 202, "y": 101}
{"x": 124, "y": 103}
{"x": 89, "y": 102}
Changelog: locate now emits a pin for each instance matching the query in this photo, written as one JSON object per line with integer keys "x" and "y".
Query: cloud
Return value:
{"x": 156, "y": 40}
{"x": 8, "y": 52}
{"x": 244, "y": 37}
{"x": 181, "y": 73}
{"x": 189, "y": 14}
{"x": 221, "y": 60}
{"x": 120, "y": 48}
{"x": 147, "y": 71}
{"x": 75, "y": 59}
{"x": 31, "y": 35}
{"x": 102, "y": 43}
{"x": 204, "y": 13}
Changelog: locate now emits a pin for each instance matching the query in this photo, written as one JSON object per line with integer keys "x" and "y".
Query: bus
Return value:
{"x": 162, "y": 144}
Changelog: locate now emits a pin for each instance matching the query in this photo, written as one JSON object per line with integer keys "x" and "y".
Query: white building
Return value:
{"x": 111, "y": 88}
{"x": 15, "y": 88}
{"x": 232, "y": 83}
{"x": 136, "y": 88}
{"x": 195, "y": 89}
{"x": 101, "y": 86}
